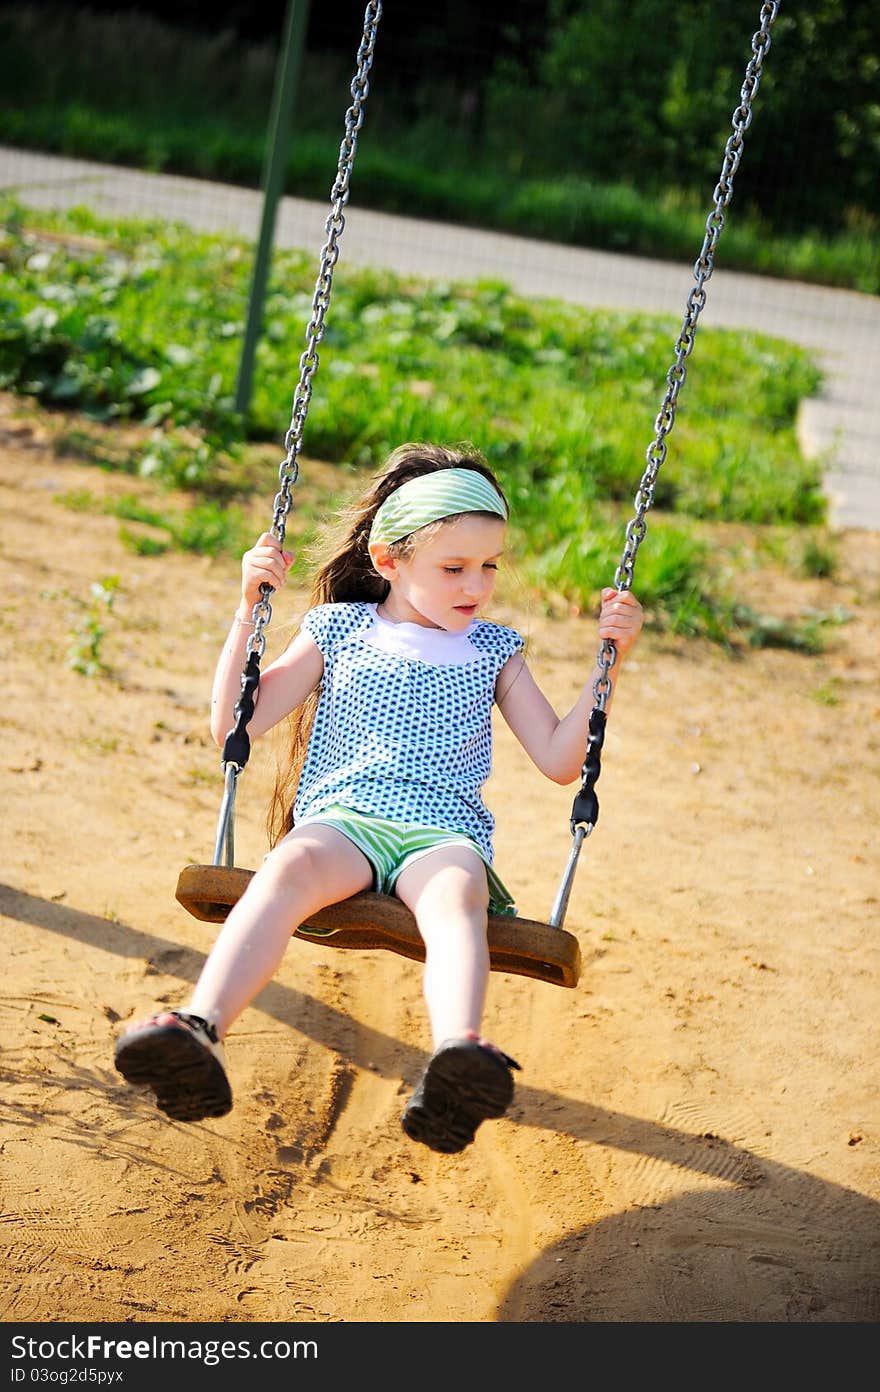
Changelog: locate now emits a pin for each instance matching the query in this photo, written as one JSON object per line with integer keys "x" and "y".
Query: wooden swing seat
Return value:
{"x": 521, "y": 946}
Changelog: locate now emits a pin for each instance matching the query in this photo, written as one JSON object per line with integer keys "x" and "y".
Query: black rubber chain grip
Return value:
{"x": 237, "y": 745}
{"x": 585, "y": 807}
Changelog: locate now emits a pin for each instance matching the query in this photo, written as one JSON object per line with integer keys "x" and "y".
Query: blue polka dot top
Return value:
{"x": 403, "y": 726}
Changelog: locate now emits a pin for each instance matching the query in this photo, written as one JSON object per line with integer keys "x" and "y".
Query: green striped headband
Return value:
{"x": 430, "y": 497}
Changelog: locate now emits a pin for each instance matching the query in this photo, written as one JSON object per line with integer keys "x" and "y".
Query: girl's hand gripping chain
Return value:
{"x": 265, "y": 564}
{"x": 620, "y": 619}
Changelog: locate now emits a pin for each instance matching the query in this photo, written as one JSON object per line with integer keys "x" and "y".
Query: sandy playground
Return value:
{"x": 695, "y": 1134}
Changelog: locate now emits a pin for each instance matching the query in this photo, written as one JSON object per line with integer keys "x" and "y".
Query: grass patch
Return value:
{"x": 137, "y": 322}
{"x": 204, "y": 528}
{"x": 668, "y": 225}
{"x": 828, "y": 693}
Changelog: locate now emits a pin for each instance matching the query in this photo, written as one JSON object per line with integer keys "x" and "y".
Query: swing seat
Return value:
{"x": 521, "y": 946}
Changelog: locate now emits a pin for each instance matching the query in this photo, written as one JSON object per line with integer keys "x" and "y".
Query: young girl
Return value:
{"x": 389, "y": 684}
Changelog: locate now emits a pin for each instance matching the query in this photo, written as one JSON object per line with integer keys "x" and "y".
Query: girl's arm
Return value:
{"x": 557, "y": 745}
{"x": 289, "y": 680}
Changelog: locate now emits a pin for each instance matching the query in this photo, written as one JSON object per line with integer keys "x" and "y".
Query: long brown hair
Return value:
{"x": 347, "y": 575}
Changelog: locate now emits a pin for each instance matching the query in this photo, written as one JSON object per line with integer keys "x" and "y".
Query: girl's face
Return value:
{"x": 448, "y": 578}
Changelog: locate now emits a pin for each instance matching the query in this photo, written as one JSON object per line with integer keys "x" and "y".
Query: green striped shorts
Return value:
{"x": 391, "y": 846}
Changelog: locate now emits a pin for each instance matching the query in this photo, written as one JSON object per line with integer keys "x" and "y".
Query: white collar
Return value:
{"x": 415, "y": 641}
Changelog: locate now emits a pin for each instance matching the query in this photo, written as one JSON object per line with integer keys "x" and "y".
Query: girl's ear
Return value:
{"x": 383, "y": 562}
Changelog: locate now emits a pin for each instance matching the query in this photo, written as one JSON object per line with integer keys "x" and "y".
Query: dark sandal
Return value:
{"x": 180, "y": 1057}
{"x": 466, "y": 1082}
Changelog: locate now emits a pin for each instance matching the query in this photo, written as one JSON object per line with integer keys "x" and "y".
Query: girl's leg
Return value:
{"x": 448, "y": 894}
{"x": 179, "y": 1054}
{"x": 312, "y": 867}
{"x": 467, "y": 1079}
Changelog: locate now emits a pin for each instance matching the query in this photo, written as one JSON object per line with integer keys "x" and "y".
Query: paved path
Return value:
{"x": 841, "y": 327}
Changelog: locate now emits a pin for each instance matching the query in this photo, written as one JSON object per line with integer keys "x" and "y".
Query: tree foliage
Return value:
{"x": 645, "y": 94}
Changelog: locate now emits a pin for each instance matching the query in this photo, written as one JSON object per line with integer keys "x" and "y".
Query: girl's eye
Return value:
{"x": 456, "y": 570}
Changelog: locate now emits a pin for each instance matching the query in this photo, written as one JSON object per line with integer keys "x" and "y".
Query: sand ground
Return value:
{"x": 695, "y": 1134}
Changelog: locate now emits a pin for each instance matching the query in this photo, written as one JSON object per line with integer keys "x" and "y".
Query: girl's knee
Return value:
{"x": 282, "y": 855}
{"x": 290, "y": 862}
{"x": 315, "y": 867}
{"x": 452, "y": 888}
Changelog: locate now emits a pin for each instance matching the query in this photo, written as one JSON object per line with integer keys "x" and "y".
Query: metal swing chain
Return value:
{"x": 236, "y": 748}
{"x": 585, "y": 810}
{"x": 308, "y": 364}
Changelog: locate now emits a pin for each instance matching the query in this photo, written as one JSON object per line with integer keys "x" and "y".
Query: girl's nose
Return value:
{"x": 477, "y": 587}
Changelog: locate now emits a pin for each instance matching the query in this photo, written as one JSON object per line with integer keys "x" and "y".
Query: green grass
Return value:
{"x": 574, "y": 211}
{"x": 137, "y": 321}
{"x": 205, "y": 528}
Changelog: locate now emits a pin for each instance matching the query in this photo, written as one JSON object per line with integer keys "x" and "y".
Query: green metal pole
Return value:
{"x": 286, "y": 78}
